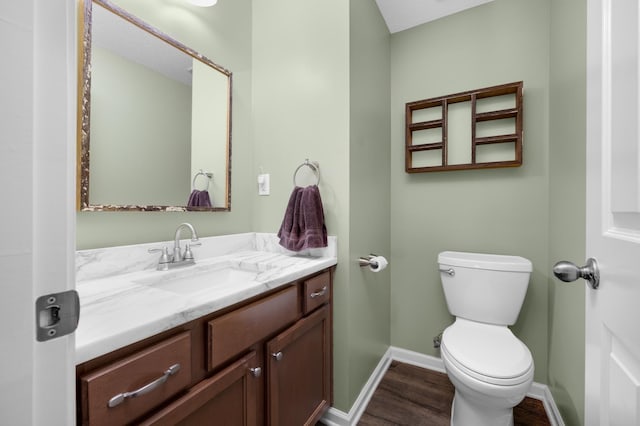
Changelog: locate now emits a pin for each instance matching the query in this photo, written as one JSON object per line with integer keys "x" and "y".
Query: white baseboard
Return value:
{"x": 335, "y": 417}
{"x": 542, "y": 393}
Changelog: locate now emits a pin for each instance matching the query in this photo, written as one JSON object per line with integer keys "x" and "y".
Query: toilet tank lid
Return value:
{"x": 495, "y": 262}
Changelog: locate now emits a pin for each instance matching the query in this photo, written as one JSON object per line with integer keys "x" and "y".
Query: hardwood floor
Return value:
{"x": 409, "y": 395}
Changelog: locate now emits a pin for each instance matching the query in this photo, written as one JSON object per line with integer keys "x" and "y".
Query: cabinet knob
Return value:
{"x": 256, "y": 371}
{"x": 277, "y": 355}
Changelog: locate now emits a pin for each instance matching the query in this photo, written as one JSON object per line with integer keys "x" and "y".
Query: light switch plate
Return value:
{"x": 264, "y": 187}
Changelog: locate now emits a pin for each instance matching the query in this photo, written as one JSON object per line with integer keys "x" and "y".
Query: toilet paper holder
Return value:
{"x": 374, "y": 262}
{"x": 365, "y": 261}
{"x": 370, "y": 260}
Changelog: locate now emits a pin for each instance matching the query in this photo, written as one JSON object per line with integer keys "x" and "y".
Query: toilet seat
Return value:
{"x": 489, "y": 353}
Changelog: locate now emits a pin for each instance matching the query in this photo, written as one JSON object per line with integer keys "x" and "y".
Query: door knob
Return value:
{"x": 277, "y": 356}
{"x": 567, "y": 271}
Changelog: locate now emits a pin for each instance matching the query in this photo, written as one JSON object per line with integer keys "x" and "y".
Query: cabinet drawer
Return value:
{"x": 138, "y": 383}
{"x": 317, "y": 291}
{"x": 227, "y": 398}
{"x": 234, "y": 332}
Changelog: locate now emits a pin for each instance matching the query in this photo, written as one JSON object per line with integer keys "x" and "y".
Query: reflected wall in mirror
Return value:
{"x": 155, "y": 119}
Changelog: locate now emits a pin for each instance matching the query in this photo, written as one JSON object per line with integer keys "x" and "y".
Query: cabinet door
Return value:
{"x": 228, "y": 398}
{"x": 299, "y": 371}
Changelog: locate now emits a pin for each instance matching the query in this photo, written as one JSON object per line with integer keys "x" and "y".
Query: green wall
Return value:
{"x": 300, "y": 111}
{"x": 320, "y": 91}
{"x": 121, "y": 148}
{"x": 536, "y": 211}
{"x": 325, "y": 81}
{"x": 368, "y": 310}
{"x": 222, "y": 34}
{"x": 567, "y": 204}
{"x": 501, "y": 211}
{"x": 209, "y": 132}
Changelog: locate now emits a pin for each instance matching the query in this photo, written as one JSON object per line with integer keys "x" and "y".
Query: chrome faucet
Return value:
{"x": 178, "y": 258}
{"x": 177, "y": 255}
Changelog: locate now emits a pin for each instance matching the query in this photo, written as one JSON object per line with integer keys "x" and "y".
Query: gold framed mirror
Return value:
{"x": 154, "y": 119}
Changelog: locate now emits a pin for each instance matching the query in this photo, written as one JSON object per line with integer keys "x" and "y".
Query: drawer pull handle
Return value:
{"x": 318, "y": 293}
{"x": 277, "y": 355}
{"x": 256, "y": 371}
{"x": 119, "y": 399}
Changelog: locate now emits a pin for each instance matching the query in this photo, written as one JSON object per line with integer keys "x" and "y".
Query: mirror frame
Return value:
{"x": 84, "y": 111}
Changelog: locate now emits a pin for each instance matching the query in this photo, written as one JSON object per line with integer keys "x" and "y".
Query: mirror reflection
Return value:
{"x": 155, "y": 119}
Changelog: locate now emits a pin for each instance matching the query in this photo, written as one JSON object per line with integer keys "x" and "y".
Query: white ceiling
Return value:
{"x": 403, "y": 14}
{"x": 111, "y": 32}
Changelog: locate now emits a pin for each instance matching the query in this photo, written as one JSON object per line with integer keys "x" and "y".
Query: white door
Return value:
{"x": 37, "y": 221}
{"x": 613, "y": 212}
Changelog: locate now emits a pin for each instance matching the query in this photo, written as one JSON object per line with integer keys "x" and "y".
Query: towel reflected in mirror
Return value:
{"x": 199, "y": 199}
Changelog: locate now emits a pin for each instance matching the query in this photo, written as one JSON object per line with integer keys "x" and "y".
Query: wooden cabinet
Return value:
{"x": 227, "y": 398}
{"x": 298, "y": 372}
{"x": 122, "y": 391}
{"x": 266, "y": 361}
{"x": 232, "y": 333}
{"x": 316, "y": 292}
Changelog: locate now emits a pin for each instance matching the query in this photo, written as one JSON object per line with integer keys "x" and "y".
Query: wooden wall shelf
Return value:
{"x": 494, "y": 115}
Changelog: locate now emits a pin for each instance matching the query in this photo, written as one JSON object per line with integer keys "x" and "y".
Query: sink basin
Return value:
{"x": 212, "y": 279}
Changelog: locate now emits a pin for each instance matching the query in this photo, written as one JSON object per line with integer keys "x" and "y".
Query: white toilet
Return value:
{"x": 490, "y": 368}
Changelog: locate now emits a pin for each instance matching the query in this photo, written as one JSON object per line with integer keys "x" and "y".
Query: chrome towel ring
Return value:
{"x": 207, "y": 175}
{"x": 313, "y": 165}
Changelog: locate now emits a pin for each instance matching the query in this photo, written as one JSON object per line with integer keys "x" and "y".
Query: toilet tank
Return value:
{"x": 488, "y": 288}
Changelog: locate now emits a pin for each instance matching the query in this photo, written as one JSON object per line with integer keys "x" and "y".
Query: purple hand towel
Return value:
{"x": 303, "y": 224}
{"x": 199, "y": 199}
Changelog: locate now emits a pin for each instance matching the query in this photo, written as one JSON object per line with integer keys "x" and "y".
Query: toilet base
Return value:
{"x": 465, "y": 413}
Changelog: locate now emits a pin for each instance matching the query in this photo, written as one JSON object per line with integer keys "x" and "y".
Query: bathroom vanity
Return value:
{"x": 256, "y": 352}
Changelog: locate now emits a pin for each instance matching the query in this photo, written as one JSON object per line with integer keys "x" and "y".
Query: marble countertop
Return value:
{"x": 118, "y": 309}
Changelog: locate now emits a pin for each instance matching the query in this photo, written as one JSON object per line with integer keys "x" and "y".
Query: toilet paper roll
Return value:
{"x": 378, "y": 263}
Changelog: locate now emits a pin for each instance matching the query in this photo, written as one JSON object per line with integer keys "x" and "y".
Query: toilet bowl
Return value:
{"x": 490, "y": 368}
